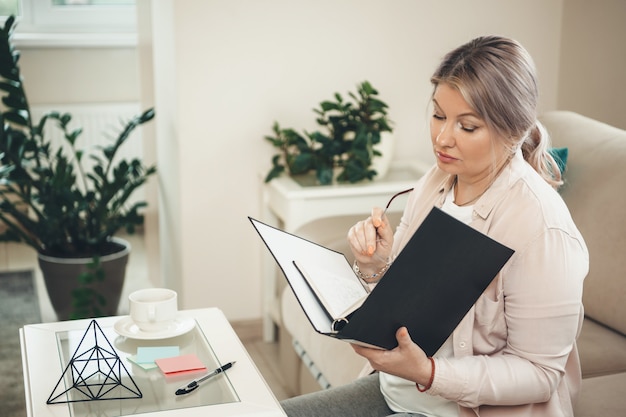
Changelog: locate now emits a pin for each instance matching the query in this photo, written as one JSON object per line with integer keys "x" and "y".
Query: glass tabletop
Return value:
{"x": 98, "y": 363}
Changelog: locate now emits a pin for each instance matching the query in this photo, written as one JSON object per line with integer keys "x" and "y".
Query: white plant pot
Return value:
{"x": 386, "y": 147}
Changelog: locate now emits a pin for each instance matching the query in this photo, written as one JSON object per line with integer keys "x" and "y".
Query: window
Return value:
{"x": 72, "y": 22}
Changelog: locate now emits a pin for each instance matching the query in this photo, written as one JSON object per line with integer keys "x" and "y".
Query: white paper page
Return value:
{"x": 337, "y": 287}
{"x": 286, "y": 248}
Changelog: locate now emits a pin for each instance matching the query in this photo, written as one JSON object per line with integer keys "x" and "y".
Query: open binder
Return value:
{"x": 430, "y": 286}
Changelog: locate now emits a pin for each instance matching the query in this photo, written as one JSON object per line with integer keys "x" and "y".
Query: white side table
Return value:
{"x": 289, "y": 204}
{"x": 241, "y": 391}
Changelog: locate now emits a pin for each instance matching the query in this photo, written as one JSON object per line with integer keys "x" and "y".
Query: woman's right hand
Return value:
{"x": 371, "y": 241}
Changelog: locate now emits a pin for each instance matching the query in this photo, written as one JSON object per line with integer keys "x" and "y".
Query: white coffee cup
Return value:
{"x": 153, "y": 309}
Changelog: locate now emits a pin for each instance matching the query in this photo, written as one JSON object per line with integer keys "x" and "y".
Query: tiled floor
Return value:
{"x": 264, "y": 355}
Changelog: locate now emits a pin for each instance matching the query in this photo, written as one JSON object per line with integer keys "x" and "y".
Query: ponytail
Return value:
{"x": 535, "y": 148}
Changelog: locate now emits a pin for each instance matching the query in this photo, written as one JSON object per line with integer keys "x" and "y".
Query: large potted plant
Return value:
{"x": 50, "y": 201}
{"x": 344, "y": 148}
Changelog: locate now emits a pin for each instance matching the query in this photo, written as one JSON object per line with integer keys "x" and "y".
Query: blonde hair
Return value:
{"x": 497, "y": 78}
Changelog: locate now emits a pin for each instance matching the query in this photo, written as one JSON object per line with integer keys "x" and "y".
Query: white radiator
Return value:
{"x": 101, "y": 124}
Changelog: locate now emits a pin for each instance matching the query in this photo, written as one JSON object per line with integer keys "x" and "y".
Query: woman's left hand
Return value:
{"x": 407, "y": 360}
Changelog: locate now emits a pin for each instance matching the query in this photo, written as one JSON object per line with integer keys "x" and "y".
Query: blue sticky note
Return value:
{"x": 148, "y": 354}
{"x": 146, "y": 366}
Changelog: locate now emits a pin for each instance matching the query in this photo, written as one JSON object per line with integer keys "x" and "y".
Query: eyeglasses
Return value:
{"x": 393, "y": 198}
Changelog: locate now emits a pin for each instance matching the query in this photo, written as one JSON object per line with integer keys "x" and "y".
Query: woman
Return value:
{"x": 514, "y": 353}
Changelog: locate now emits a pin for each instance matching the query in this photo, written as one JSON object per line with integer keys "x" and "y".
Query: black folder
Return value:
{"x": 430, "y": 286}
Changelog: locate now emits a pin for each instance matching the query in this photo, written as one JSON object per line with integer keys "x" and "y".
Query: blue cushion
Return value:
{"x": 560, "y": 157}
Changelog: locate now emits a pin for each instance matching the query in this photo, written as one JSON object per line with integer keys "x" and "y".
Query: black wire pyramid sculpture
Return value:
{"x": 94, "y": 373}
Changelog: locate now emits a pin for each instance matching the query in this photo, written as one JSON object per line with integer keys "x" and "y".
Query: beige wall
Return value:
{"x": 147, "y": 69}
{"x": 80, "y": 75}
{"x": 592, "y": 78}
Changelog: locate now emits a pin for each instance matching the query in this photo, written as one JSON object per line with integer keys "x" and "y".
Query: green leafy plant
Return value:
{"x": 48, "y": 200}
{"x": 350, "y": 129}
{"x": 86, "y": 301}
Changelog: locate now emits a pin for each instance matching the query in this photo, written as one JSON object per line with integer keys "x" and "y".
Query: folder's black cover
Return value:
{"x": 430, "y": 286}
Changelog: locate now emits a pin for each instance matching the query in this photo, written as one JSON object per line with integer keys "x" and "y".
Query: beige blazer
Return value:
{"x": 515, "y": 351}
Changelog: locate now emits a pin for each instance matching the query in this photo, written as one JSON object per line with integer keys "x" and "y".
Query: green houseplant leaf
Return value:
{"x": 349, "y": 130}
{"x": 48, "y": 199}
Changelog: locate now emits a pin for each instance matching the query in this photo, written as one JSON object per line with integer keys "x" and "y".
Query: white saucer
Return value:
{"x": 127, "y": 327}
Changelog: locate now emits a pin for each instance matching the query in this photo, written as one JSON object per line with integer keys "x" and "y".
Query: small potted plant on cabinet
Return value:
{"x": 344, "y": 148}
{"x": 49, "y": 201}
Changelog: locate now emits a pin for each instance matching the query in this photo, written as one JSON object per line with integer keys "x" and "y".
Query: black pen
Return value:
{"x": 187, "y": 388}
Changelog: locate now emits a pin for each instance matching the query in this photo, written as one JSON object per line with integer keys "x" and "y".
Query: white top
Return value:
{"x": 402, "y": 395}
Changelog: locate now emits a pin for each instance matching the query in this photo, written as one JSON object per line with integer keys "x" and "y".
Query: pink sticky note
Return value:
{"x": 180, "y": 364}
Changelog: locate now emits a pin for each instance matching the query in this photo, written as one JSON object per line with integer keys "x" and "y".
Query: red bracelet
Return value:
{"x": 430, "y": 381}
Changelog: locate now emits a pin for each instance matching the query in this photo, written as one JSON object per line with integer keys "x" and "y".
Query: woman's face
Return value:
{"x": 463, "y": 144}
